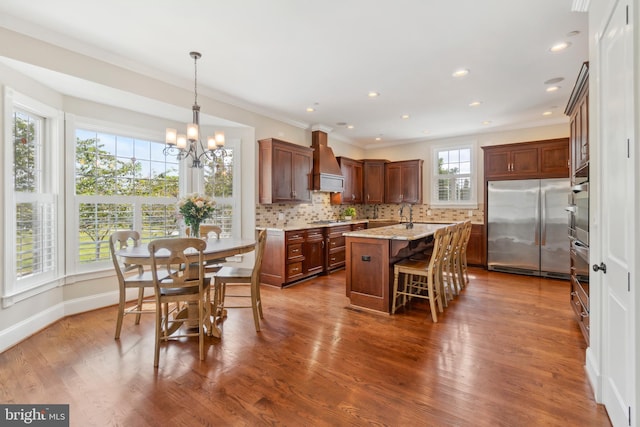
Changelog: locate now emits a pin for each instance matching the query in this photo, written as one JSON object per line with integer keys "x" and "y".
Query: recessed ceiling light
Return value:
{"x": 475, "y": 103}
{"x": 378, "y": 138}
{"x": 547, "y": 113}
{"x": 405, "y": 116}
{"x": 559, "y": 47}
{"x": 552, "y": 88}
{"x": 373, "y": 94}
{"x": 460, "y": 73}
{"x": 350, "y": 126}
{"x": 310, "y": 109}
{"x": 486, "y": 122}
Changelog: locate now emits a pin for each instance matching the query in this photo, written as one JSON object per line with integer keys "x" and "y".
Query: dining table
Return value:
{"x": 217, "y": 248}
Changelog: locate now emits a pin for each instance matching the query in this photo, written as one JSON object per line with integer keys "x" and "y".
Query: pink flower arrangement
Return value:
{"x": 195, "y": 208}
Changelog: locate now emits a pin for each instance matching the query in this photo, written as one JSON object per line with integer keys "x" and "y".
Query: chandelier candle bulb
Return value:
{"x": 182, "y": 141}
{"x": 171, "y": 135}
{"x": 219, "y": 139}
{"x": 211, "y": 143}
{"x": 192, "y": 131}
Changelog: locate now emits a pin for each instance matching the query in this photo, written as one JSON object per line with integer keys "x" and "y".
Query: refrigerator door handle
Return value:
{"x": 536, "y": 238}
{"x": 543, "y": 212}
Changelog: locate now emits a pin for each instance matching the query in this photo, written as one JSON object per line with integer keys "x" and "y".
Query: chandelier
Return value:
{"x": 189, "y": 145}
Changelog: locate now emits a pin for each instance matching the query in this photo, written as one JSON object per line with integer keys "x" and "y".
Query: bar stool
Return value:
{"x": 421, "y": 279}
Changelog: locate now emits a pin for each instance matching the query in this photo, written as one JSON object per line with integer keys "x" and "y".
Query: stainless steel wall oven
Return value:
{"x": 579, "y": 208}
{"x": 579, "y": 252}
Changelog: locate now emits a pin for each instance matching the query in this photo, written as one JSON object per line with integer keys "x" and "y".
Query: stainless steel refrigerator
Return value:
{"x": 527, "y": 227}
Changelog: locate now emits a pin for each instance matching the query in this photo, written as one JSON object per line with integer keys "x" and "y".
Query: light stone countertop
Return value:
{"x": 293, "y": 226}
{"x": 397, "y": 232}
{"x": 307, "y": 225}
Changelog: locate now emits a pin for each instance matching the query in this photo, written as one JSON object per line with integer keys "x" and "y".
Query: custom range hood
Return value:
{"x": 327, "y": 175}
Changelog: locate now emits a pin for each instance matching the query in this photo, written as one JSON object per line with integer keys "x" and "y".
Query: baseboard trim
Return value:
{"x": 40, "y": 320}
{"x": 593, "y": 374}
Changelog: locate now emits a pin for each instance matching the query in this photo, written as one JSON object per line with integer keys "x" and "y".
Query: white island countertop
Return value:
{"x": 397, "y": 232}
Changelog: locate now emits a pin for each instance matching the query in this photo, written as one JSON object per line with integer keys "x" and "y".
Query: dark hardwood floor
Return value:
{"x": 506, "y": 352}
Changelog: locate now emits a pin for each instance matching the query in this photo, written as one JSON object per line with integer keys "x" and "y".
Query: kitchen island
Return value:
{"x": 370, "y": 256}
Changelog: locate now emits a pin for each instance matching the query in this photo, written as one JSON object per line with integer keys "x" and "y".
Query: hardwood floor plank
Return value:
{"x": 505, "y": 352}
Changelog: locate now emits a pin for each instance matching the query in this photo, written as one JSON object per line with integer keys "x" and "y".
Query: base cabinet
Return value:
{"x": 368, "y": 273}
{"x": 294, "y": 255}
{"x": 335, "y": 246}
{"x": 476, "y": 248}
{"x": 369, "y": 269}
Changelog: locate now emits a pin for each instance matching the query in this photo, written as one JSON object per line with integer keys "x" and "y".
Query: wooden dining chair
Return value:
{"x": 238, "y": 276}
{"x": 463, "y": 272}
{"x": 206, "y": 230}
{"x": 421, "y": 279}
{"x": 130, "y": 276}
{"x": 175, "y": 283}
{"x": 450, "y": 271}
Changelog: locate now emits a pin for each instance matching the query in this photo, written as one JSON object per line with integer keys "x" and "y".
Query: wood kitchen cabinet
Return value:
{"x": 373, "y": 181}
{"x": 476, "y": 248}
{"x": 313, "y": 251}
{"x": 578, "y": 111}
{"x": 403, "y": 182}
{"x": 527, "y": 160}
{"x": 284, "y": 171}
{"x": 335, "y": 246}
{"x": 352, "y": 172}
{"x": 292, "y": 255}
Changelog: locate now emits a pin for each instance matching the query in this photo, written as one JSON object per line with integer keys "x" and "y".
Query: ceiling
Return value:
{"x": 281, "y": 57}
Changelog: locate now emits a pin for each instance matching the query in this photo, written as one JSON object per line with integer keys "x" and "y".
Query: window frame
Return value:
{"x": 51, "y": 190}
{"x": 472, "y": 203}
{"x": 73, "y": 123}
{"x": 236, "y": 200}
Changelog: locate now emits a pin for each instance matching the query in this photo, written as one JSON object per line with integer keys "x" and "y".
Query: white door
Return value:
{"x": 617, "y": 195}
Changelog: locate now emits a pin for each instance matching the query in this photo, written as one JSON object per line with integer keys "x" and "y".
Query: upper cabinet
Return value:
{"x": 535, "y": 159}
{"x": 578, "y": 111}
{"x": 403, "y": 182}
{"x": 373, "y": 181}
{"x": 352, "y": 172}
{"x": 284, "y": 171}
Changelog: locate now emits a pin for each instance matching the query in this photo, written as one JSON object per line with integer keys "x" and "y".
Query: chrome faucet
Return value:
{"x": 410, "y": 223}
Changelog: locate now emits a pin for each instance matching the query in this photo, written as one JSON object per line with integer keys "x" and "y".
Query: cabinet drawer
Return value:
{"x": 580, "y": 292}
{"x": 336, "y": 259}
{"x": 336, "y": 242}
{"x": 294, "y": 270}
{"x": 315, "y": 234}
{"x": 337, "y": 231}
{"x": 360, "y": 226}
{"x": 295, "y": 236}
{"x": 294, "y": 251}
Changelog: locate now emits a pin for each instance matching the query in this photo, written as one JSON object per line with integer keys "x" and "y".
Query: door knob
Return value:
{"x": 602, "y": 267}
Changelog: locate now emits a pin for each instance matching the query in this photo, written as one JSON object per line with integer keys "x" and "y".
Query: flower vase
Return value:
{"x": 195, "y": 229}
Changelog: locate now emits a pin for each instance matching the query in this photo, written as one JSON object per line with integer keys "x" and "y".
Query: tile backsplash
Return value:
{"x": 284, "y": 214}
